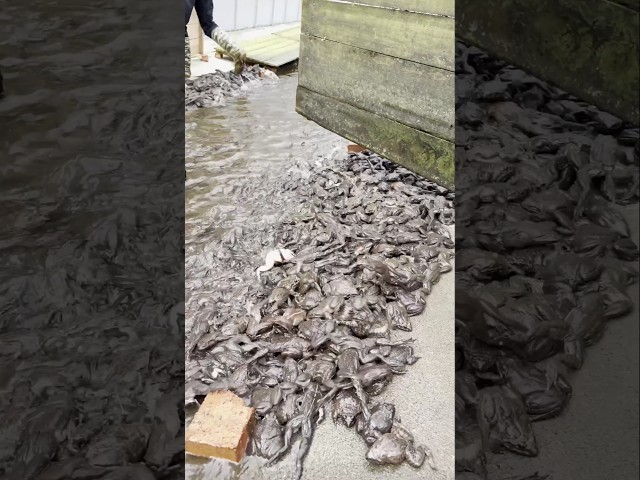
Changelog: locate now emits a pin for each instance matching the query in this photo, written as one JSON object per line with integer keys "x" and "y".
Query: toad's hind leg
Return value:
{"x": 303, "y": 448}
{"x": 290, "y": 429}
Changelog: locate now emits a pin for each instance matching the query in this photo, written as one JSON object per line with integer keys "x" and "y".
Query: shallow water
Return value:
{"x": 253, "y": 135}
{"x": 225, "y": 148}
{"x": 250, "y": 136}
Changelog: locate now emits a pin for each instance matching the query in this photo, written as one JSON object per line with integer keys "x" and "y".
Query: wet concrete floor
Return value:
{"x": 596, "y": 437}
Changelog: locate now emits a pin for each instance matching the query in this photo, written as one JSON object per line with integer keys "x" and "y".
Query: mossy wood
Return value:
{"x": 418, "y": 151}
{"x": 416, "y": 95}
{"x": 383, "y": 77}
{"x": 587, "y": 47}
{"x": 391, "y": 32}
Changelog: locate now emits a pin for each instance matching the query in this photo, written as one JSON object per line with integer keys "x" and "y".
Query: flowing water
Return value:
{"x": 228, "y": 150}
{"x": 228, "y": 146}
{"x": 254, "y": 138}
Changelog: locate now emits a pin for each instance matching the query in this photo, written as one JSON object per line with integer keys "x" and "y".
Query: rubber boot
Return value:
{"x": 235, "y": 52}
{"x": 187, "y": 58}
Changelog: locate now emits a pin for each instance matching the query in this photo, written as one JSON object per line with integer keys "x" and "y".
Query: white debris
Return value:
{"x": 273, "y": 258}
{"x": 265, "y": 73}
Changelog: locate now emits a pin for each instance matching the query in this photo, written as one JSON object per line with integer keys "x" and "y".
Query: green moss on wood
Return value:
{"x": 587, "y": 47}
{"x": 429, "y": 156}
{"x": 426, "y": 39}
{"x": 437, "y": 7}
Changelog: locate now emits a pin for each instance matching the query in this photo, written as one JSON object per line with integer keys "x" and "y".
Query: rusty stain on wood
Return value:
{"x": 353, "y": 148}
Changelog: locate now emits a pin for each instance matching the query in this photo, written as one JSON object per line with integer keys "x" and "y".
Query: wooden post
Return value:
{"x": 200, "y": 42}
{"x": 196, "y": 36}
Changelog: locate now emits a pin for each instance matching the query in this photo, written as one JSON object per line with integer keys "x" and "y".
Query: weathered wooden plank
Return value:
{"x": 281, "y": 59}
{"x": 291, "y": 33}
{"x": 275, "y": 52}
{"x": 272, "y": 58}
{"x": 258, "y": 42}
{"x": 420, "y": 38}
{"x": 262, "y": 51}
{"x": 633, "y": 4}
{"x": 416, "y": 95}
{"x": 273, "y": 43}
{"x": 286, "y": 50}
{"x": 195, "y": 36}
{"x": 420, "y": 152}
{"x": 587, "y": 47}
{"x": 435, "y": 7}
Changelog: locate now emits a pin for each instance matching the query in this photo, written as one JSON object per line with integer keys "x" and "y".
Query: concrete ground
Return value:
{"x": 596, "y": 437}
{"x": 199, "y": 68}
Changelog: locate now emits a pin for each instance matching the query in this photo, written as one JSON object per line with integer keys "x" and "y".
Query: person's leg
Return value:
{"x": 188, "y": 9}
{"x": 204, "y": 9}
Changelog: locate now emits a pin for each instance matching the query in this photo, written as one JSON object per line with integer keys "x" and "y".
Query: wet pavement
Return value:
{"x": 593, "y": 438}
{"x": 255, "y": 140}
{"x": 587, "y": 430}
